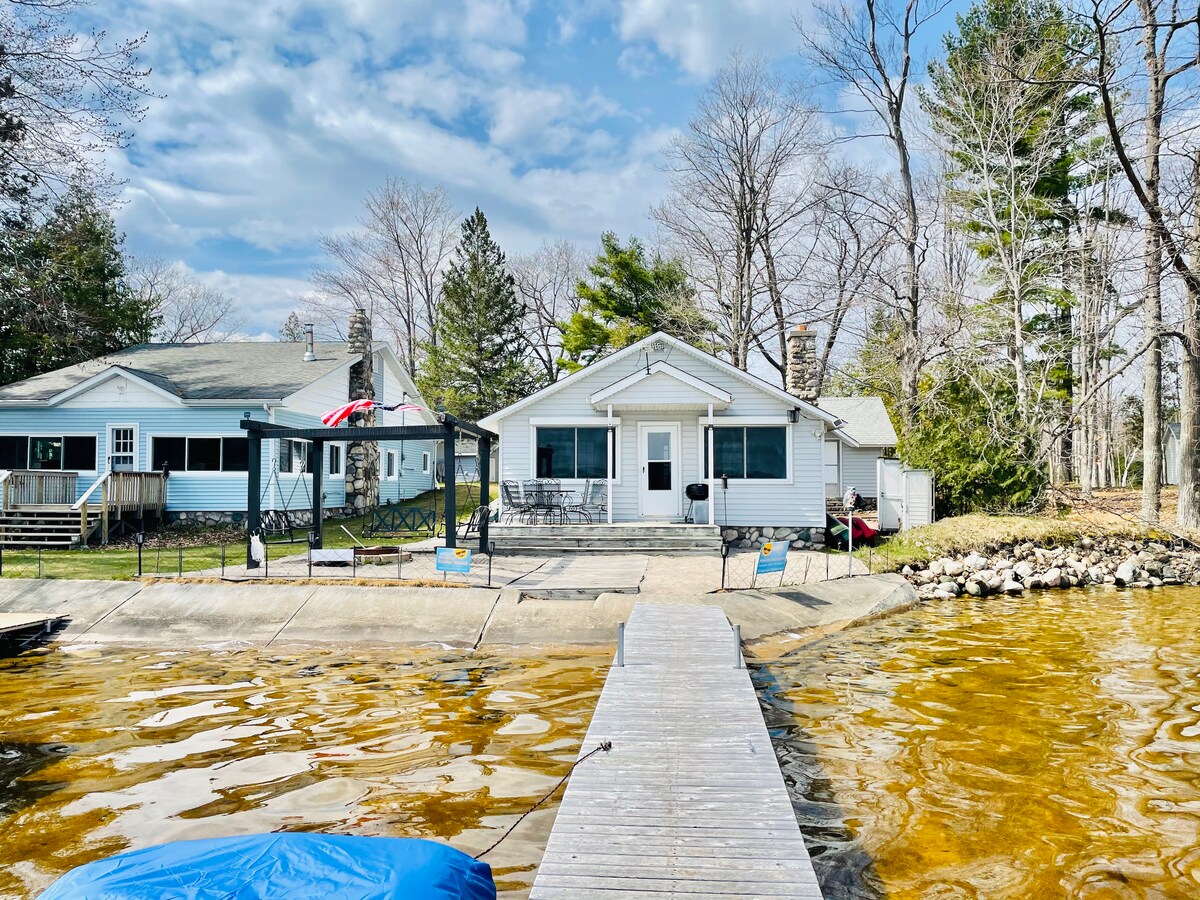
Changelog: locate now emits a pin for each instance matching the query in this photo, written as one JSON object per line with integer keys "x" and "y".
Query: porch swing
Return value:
{"x": 275, "y": 522}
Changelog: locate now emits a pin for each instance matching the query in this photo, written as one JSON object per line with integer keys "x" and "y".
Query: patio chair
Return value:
{"x": 515, "y": 504}
{"x": 597, "y": 497}
{"x": 578, "y": 505}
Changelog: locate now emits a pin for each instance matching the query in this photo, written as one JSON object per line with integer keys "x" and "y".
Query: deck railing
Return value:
{"x": 121, "y": 492}
{"x": 31, "y": 487}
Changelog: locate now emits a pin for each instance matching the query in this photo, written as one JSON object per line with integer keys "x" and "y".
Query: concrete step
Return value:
{"x": 631, "y": 530}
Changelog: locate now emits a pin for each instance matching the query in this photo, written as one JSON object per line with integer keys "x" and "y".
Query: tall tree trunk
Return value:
{"x": 1188, "y": 512}
{"x": 1152, "y": 469}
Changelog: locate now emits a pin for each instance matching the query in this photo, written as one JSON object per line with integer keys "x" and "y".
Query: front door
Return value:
{"x": 122, "y": 448}
{"x": 658, "y": 457}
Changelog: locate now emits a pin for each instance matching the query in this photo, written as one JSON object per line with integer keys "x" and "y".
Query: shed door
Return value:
{"x": 918, "y": 498}
{"x": 889, "y": 476}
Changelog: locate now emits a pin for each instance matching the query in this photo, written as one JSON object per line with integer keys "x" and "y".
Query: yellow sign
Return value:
{"x": 766, "y": 550}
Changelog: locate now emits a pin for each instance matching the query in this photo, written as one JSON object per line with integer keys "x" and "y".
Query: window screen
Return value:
{"x": 14, "y": 451}
{"x": 169, "y": 451}
{"x": 235, "y": 454}
{"x": 749, "y": 452}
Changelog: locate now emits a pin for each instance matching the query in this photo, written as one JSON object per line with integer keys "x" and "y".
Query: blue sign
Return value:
{"x": 773, "y": 557}
{"x": 453, "y": 559}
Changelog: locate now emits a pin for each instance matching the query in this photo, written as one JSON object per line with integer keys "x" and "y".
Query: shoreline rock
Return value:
{"x": 1122, "y": 562}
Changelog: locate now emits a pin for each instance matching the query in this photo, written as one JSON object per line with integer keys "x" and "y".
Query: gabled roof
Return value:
{"x": 865, "y": 420}
{"x": 693, "y": 387}
{"x": 261, "y": 371}
{"x": 492, "y": 422}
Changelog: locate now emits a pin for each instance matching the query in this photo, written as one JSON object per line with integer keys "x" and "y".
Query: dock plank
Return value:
{"x": 690, "y": 800}
{"x": 10, "y": 622}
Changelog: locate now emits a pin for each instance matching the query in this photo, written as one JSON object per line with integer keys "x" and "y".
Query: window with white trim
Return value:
{"x": 53, "y": 452}
{"x": 293, "y": 456}
{"x": 573, "y": 452}
{"x": 426, "y": 460}
{"x": 200, "y": 454}
{"x": 749, "y": 452}
{"x": 831, "y": 453}
{"x": 334, "y": 453}
{"x": 390, "y": 464}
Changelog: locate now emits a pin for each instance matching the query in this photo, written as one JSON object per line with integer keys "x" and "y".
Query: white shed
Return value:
{"x": 851, "y": 453}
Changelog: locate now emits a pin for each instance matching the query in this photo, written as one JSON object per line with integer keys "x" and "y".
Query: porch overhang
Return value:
{"x": 660, "y": 387}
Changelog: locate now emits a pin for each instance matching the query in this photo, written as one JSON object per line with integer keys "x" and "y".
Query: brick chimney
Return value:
{"x": 803, "y": 379}
{"x": 362, "y": 457}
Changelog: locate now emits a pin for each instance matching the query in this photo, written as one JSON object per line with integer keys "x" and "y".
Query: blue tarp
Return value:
{"x": 290, "y": 866}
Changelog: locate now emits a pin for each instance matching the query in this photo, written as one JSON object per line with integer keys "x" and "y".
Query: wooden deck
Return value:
{"x": 690, "y": 801}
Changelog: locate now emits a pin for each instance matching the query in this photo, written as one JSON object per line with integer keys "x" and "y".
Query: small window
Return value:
{"x": 45, "y": 453}
{"x": 14, "y": 451}
{"x": 426, "y": 458}
{"x": 293, "y": 456}
{"x": 335, "y": 458}
{"x": 749, "y": 452}
{"x": 235, "y": 454}
{"x": 204, "y": 455}
{"x": 390, "y": 471}
{"x": 169, "y": 451}
{"x": 79, "y": 452}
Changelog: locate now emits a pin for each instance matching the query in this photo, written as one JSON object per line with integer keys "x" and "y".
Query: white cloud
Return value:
{"x": 699, "y": 34}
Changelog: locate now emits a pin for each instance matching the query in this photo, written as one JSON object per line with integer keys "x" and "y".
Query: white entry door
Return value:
{"x": 658, "y": 459}
{"x": 122, "y": 448}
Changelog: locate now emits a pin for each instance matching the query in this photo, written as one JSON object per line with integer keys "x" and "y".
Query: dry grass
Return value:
{"x": 1112, "y": 513}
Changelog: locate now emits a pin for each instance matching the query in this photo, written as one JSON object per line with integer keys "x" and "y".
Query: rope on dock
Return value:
{"x": 603, "y": 745}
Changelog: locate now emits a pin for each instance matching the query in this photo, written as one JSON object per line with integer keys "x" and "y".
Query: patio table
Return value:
{"x": 551, "y": 504}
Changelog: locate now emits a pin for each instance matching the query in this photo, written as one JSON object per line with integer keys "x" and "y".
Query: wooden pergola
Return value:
{"x": 257, "y": 432}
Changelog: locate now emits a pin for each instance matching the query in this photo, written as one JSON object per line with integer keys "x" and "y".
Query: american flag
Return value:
{"x": 337, "y": 416}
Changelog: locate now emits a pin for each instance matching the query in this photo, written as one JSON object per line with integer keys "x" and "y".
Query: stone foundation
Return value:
{"x": 299, "y": 517}
{"x": 752, "y": 537}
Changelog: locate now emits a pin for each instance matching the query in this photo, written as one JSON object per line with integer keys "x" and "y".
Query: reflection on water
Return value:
{"x": 105, "y": 750}
{"x": 1039, "y": 747}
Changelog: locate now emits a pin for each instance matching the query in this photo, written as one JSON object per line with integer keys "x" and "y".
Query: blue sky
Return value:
{"x": 277, "y": 117}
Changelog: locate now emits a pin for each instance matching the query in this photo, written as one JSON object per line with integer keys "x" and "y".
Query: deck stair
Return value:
{"x": 49, "y": 527}
{"x": 627, "y": 537}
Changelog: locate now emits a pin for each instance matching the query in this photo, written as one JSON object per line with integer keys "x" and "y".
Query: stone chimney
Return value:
{"x": 362, "y": 457}
{"x": 803, "y": 378}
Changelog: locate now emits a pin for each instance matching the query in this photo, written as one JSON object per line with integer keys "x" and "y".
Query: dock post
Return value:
{"x": 620, "y": 645}
{"x": 738, "y": 662}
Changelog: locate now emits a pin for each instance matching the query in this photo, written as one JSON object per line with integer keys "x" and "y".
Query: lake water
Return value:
{"x": 1040, "y": 747}
{"x": 107, "y": 750}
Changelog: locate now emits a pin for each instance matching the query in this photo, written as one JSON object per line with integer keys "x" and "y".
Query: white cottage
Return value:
{"x": 647, "y": 419}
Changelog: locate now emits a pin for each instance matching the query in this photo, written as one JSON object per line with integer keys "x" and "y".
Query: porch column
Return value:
{"x": 450, "y": 486}
{"x": 608, "y": 463}
{"x": 253, "y": 487}
{"x": 316, "y": 460}
{"x": 484, "y": 446}
{"x": 712, "y": 486}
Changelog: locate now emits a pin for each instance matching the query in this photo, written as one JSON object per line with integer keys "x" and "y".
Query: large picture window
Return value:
{"x": 54, "y": 452}
{"x": 573, "y": 453}
{"x": 750, "y": 452}
{"x": 200, "y": 454}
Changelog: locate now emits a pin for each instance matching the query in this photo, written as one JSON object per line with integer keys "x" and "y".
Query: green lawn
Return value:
{"x": 101, "y": 564}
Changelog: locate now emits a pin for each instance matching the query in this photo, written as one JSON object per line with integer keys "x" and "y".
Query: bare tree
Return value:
{"x": 738, "y": 196}
{"x": 187, "y": 310}
{"x": 1168, "y": 50}
{"x": 867, "y": 49}
{"x": 64, "y": 97}
{"x": 546, "y": 282}
{"x": 392, "y": 265}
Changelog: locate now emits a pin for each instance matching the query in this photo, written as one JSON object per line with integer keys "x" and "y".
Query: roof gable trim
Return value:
{"x": 664, "y": 368}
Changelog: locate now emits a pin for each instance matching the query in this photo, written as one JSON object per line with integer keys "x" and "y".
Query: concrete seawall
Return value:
{"x": 190, "y": 615}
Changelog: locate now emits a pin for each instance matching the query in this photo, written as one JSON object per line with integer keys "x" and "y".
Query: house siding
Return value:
{"x": 859, "y": 469}
{"x": 797, "y": 502}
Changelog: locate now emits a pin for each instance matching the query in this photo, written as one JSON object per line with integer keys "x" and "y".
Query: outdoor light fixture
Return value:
{"x": 139, "y": 538}
{"x": 793, "y": 415}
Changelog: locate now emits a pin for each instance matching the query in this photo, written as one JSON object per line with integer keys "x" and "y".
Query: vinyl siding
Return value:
{"x": 859, "y": 469}
{"x": 796, "y": 502}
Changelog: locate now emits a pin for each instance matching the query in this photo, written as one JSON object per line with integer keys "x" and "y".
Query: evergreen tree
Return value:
{"x": 63, "y": 291}
{"x": 479, "y": 361}
{"x": 629, "y": 297}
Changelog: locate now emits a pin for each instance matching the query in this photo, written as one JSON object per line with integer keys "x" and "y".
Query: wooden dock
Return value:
{"x": 11, "y": 622}
{"x": 690, "y": 801}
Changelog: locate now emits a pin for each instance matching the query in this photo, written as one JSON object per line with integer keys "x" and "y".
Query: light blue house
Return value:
{"x": 67, "y": 435}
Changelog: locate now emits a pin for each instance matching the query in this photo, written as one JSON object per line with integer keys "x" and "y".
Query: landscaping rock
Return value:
{"x": 1052, "y": 578}
{"x": 1013, "y": 587}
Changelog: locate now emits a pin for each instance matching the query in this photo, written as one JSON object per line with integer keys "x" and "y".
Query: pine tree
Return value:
{"x": 479, "y": 361}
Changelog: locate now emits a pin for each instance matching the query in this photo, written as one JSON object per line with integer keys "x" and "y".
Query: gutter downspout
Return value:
{"x": 272, "y": 459}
